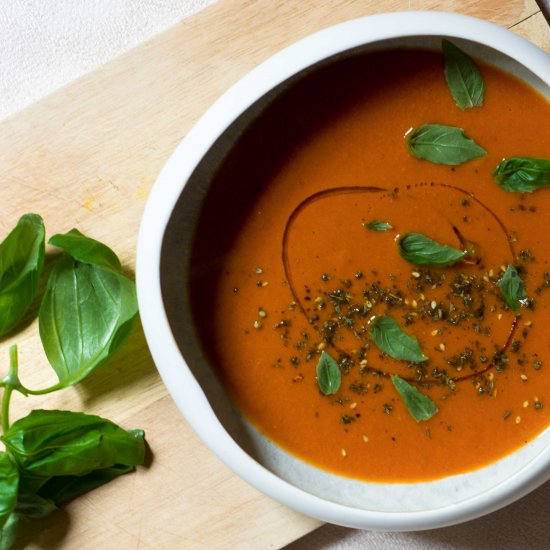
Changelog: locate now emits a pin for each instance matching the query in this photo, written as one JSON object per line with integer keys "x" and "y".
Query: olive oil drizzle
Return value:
{"x": 334, "y": 191}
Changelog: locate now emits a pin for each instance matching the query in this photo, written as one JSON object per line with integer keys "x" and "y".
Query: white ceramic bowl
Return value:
{"x": 163, "y": 258}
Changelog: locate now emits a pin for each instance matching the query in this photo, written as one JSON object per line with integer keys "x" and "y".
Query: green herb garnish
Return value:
{"x": 512, "y": 289}
{"x": 420, "y": 406}
{"x": 522, "y": 174}
{"x": 391, "y": 339}
{"x": 443, "y": 144}
{"x": 86, "y": 314}
{"x": 421, "y": 250}
{"x": 329, "y": 377}
{"x": 21, "y": 264}
{"x": 105, "y": 317}
{"x": 463, "y": 77}
{"x": 378, "y": 225}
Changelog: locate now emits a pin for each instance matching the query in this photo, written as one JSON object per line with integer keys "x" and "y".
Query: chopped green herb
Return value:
{"x": 421, "y": 250}
{"x": 391, "y": 339}
{"x": 443, "y": 144}
{"x": 378, "y": 225}
{"x": 420, "y": 406}
{"x": 463, "y": 77}
{"x": 512, "y": 289}
{"x": 522, "y": 174}
{"x": 328, "y": 374}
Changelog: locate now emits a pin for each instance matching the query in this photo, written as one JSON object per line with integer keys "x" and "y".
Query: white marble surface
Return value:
{"x": 48, "y": 43}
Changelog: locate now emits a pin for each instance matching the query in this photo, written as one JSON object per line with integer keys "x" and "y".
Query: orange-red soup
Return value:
{"x": 283, "y": 239}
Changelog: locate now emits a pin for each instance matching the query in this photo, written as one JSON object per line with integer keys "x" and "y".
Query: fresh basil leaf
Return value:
{"x": 443, "y": 144}
{"x": 378, "y": 225}
{"x": 512, "y": 289}
{"x": 60, "y": 489}
{"x": 86, "y": 250}
{"x": 522, "y": 174}
{"x": 463, "y": 77}
{"x": 9, "y": 484}
{"x": 86, "y": 314}
{"x": 391, "y": 339}
{"x": 21, "y": 264}
{"x": 421, "y": 250}
{"x": 329, "y": 377}
{"x": 420, "y": 406}
{"x": 46, "y": 444}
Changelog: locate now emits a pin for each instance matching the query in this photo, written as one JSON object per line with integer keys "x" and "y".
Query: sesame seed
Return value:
{"x": 503, "y": 268}
{"x": 518, "y": 419}
{"x": 491, "y": 272}
{"x": 486, "y": 279}
{"x": 363, "y": 362}
{"x": 435, "y": 332}
{"x": 442, "y": 346}
{"x": 524, "y": 377}
{"x": 262, "y": 313}
{"x": 353, "y": 405}
{"x": 258, "y": 271}
{"x": 264, "y": 283}
{"x": 414, "y": 303}
{"x": 365, "y": 439}
{"x": 433, "y": 304}
{"x": 321, "y": 346}
{"x": 528, "y": 323}
{"x": 415, "y": 274}
{"x": 344, "y": 453}
{"x": 525, "y": 404}
{"x": 499, "y": 316}
{"x": 257, "y": 324}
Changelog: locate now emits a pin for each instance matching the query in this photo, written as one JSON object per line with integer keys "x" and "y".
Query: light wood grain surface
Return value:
{"x": 87, "y": 157}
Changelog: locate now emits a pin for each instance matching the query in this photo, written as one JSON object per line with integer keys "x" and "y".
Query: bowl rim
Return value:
{"x": 181, "y": 384}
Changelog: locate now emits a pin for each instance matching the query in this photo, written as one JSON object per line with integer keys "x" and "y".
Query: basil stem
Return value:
{"x": 378, "y": 225}
{"x": 420, "y": 406}
{"x": 463, "y": 77}
{"x": 421, "y": 250}
{"x": 522, "y": 174}
{"x": 391, "y": 339}
{"x": 443, "y": 144}
{"x": 328, "y": 374}
{"x": 512, "y": 289}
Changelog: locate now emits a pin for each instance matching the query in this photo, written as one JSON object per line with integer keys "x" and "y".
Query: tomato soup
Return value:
{"x": 298, "y": 253}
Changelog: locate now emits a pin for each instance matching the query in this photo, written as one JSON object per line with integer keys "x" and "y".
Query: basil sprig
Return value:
{"x": 463, "y": 77}
{"x": 87, "y": 284}
{"x": 420, "y": 406}
{"x": 421, "y": 250}
{"x": 443, "y": 144}
{"x": 390, "y": 338}
{"x": 21, "y": 264}
{"x": 67, "y": 449}
{"x": 86, "y": 314}
{"x": 522, "y": 174}
{"x": 512, "y": 289}
{"x": 329, "y": 377}
{"x": 378, "y": 225}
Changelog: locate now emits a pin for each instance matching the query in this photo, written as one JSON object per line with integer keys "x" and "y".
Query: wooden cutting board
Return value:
{"x": 87, "y": 156}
